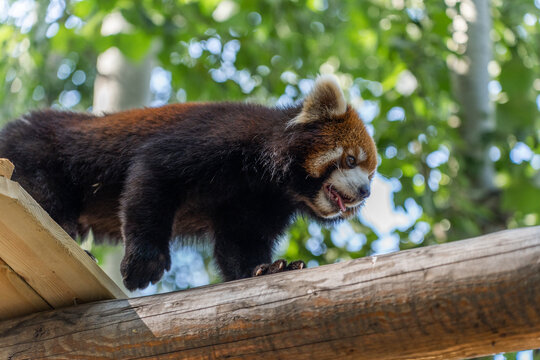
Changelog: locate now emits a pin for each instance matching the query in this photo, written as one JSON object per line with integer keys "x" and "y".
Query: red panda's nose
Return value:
{"x": 364, "y": 191}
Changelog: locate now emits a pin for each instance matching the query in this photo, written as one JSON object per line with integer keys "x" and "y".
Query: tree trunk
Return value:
{"x": 120, "y": 83}
{"x": 471, "y": 80}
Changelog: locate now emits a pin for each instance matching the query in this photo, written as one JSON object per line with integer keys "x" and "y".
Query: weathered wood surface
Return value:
{"x": 44, "y": 257}
{"x": 6, "y": 168}
{"x": 458, "y": 300}
{"x": 16, "y": 296}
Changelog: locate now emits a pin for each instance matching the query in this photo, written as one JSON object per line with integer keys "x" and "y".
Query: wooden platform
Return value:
{"x": 41, "y": 267}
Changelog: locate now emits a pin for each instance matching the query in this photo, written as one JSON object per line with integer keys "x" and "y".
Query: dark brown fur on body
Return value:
{"x": 236, "y": 173}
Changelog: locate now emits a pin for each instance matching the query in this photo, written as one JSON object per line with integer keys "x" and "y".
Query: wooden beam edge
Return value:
{"x": 13, "y": 191}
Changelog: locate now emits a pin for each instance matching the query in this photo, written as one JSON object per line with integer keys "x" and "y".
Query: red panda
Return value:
{"x": 233, "y": 173}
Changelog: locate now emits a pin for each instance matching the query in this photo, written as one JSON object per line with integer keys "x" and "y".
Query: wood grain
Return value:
{"x": 41, "y": 252}
{"x": 6, "y": 168}
{"x": 458, "y": 300}
{"x": 17, "y": 297}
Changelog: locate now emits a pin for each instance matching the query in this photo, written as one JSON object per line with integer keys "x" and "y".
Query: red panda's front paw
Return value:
{"x": 278, "y": 266}
{"x": 143, "y": 266}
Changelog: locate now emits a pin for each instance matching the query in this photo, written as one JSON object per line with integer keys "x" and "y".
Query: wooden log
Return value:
{"x": 463, "y": 299}
{"x": 44, "y": 256}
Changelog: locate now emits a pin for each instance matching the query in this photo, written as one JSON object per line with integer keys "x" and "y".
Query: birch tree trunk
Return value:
{"x": 120, "y": 83}
{"x": 470, "y": 82}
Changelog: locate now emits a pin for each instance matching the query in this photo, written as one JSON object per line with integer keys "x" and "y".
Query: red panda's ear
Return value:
{"x": 325, "y": 100}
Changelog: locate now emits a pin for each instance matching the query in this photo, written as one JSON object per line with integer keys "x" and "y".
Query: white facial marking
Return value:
{"x": 324, "y": 207}
{"x": 350, "y": 178}
{"x": 348, "y": 181}
{"x": 320, "y": 206}
{"x": 327, "y": 157}
{"x": 361, "y": 154}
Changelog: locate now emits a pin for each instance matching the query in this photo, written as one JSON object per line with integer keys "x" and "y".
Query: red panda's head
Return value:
{"x": 339, "y": 156}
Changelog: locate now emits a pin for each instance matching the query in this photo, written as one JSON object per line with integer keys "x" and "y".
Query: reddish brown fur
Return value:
{"x": 137, "y": 121}
{"x": 230, "y": 172}
{"x": 349, "y": 133}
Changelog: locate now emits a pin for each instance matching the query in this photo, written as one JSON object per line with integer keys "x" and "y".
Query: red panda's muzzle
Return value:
{"x": 337, "y": 198}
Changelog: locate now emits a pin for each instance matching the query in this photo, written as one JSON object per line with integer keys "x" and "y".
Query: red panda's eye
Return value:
{"x": 350, "y": 161}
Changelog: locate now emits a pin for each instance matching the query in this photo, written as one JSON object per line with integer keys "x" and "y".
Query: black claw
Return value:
{"x": 260, "y": 270}
{"x": 296, "y": 265}
{"x": 277, "y": 267}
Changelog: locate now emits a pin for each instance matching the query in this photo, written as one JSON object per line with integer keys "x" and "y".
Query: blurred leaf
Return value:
{"x": 521, "y": 196}
{"x": 83, "y": 9}
{"x": 390, "y": 81}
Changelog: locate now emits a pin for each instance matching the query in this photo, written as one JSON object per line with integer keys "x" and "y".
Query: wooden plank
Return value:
{"x": 41, "y": 252}
{"x": 17, "y": 297}
{"x": 6, "y": 168}
{"x": 458, "y": 300}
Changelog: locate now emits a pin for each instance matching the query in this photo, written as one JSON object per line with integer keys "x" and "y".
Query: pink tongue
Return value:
{"x": 341, "y": 205}
{"x": 340, "y": 202}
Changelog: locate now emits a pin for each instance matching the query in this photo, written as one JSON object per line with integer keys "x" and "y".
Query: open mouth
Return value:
{"x": 338, "y": 198}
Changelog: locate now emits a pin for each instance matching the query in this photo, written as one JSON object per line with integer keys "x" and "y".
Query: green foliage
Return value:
{"x": 373, "y": 46}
